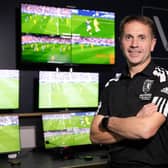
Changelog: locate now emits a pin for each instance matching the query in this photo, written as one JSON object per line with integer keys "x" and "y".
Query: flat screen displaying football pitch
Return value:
{"x": 10, "y": 134}
{"x": 68, "y": 129}
{"x": 9, "y": 89}
{"x": 68, "y": 90}
{"x": 66, "y": 36}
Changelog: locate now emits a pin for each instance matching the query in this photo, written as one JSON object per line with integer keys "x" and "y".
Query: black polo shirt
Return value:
{"x": 123, "y": 97}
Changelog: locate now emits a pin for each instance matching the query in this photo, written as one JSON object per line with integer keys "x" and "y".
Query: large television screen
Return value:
{"x": 66, "y": 36}
{"x": 68, "y": 90}
{"x": 68, "y": 129}
{"x": 9, "y": 89}
{"x": 10, "y": 134}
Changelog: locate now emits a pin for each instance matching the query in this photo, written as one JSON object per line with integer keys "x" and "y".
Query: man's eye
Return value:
{"x": 128, "y": 37}
{"x": 142, "y": 37}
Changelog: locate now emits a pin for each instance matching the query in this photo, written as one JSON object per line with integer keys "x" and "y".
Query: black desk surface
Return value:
{"x": 42, "y": 159}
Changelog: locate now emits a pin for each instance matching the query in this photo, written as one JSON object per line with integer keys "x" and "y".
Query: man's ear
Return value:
{"x": 154, "y": 40}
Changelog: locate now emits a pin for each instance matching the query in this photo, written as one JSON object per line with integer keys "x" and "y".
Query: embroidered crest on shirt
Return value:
{"x": 147, "y": 85}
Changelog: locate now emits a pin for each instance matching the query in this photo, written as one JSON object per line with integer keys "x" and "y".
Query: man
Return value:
{"x": 88, "y": 26}
{"x": 131, "y": 115}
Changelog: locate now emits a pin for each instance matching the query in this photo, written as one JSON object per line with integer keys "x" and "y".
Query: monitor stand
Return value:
{"x": 13, "y": 159}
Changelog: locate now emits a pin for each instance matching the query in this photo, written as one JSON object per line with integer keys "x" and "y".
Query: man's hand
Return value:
{"x": 147, "y": 110}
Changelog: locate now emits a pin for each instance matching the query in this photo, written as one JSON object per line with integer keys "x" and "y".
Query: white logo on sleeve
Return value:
{"x": 164, "y": 90}
{"x": 161, "y": 73}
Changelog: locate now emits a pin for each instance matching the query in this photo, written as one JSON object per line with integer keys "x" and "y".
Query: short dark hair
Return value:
{"x": 143, "y": 19}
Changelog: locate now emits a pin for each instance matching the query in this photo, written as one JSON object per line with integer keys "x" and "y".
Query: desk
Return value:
{"x": 43, "y": 159}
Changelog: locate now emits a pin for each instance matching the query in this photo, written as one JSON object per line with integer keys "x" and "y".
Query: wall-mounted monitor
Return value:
{"x": 10, "y": 134}
{"x": 53, "y": 35}
{"x": 68, "y": 129}
{"x": 68, "y": 90}
{"x": 9, "y": 89}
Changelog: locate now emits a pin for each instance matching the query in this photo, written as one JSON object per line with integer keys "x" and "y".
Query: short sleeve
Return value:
{"x": 160, "y": 98}
{"x": 103, "y": 104}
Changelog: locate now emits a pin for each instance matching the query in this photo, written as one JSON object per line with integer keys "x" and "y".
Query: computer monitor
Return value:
{"x": 67, "y": 129}
{"x": 68, "y": 90}
{"x": 9, "y": 89}
{"x": 10, "y": 134}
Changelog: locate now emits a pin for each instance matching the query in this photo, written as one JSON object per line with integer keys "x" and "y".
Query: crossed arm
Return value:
{"x": 142, "y": 126}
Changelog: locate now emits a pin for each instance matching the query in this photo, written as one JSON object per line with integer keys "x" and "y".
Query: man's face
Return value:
{"x": 137, "y": 43}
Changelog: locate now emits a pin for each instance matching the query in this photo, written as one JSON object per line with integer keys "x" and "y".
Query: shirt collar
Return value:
{"x": 147, "y": 71}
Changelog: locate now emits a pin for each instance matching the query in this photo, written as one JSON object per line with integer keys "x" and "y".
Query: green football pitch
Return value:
{"x": 76, "y": 24}
{"x": 42, "y": 52}
{"x": 61, "y": 53}
{"x": 9, "y": 139}
{"x": 92, "y": 54}
{"x": 46, "y": 53}
{"x": 67, "y": 123}
{"x": 9, "y": 91}
{"x": 62, "y": 140}
{"x": 79, "y": 95}
{"x": 45, "y": 25}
